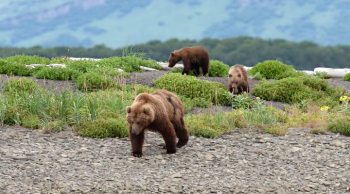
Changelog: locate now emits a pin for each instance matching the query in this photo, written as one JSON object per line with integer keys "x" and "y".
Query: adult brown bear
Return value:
{"x": 238, "y": 79}
{"x": 193, "y": 58}
{"x": 160, "y": 112}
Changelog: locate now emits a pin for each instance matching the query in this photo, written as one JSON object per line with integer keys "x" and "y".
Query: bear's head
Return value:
{"x": 173, "y": 59}
{"x": 235, "y": 80}
{"x": 139, "y": 117}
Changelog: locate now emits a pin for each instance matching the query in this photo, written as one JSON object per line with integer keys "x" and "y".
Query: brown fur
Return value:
{"x": 193, "y": 58}
{"x": 160, "y": 112}
{"x": 238, "y": 79}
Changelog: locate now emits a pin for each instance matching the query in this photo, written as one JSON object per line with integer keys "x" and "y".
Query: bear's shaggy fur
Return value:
{"x": 193, "y": 58}
{"x": 238, "y": 79}
{"x": 160, "y": 112}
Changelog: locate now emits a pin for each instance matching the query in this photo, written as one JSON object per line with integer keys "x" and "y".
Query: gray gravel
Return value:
{"x": 240, "y": 162}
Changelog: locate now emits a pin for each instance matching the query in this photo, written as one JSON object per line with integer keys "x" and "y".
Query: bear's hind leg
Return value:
{"x": 205, "y": 69}
{"x": 197, "y": 70}
{"x": 169, "y": 137}
{"x": 181, "y": 133}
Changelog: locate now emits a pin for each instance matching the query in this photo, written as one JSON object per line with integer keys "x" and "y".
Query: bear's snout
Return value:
{"x": 134, "y": 131}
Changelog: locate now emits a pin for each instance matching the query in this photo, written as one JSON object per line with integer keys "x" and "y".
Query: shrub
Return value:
{"x": 276, "y": 130}
{"x": 15, "y": 69}
{"x": 212, "y": 125}
{"x": 103, "y": 128}
{"x": 242, "y": 101}
{"x": 110, "y": 71}
{"x": 94, "y": 81}
{"x": 31, "y": 121}
{"x": 346, "y": 77}
{"x": 27, "y": 59}
{"x": 272, "y": 69}
{"x": 218, "y": 69}
{"x": 297, "y": 89}
{"x": 81, "y": 65}
{"x": 12, "y": 115}
{"x": 191, "y": 87}
{"x": 57, "y": 74}
{"x": 258, "y": 76}
{"x": 21, "y": 85}
{"x": 322, "y": 75}
{"x": 128, "y": 63}
{"x": 55, "y": 125}
{"x": 340, "y": 125}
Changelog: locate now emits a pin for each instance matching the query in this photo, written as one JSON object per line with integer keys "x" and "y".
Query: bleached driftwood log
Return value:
{"x": 76, "y": 58}
{"x": 333, "y": 73}
{"x": 147, "y": 68}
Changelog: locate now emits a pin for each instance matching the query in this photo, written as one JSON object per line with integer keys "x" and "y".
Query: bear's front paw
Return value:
{"x": 137, "y": 154}
{"x": 171, "y": 151}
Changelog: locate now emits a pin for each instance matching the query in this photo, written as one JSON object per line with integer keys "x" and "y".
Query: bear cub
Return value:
{"x": 238, "y": 79}
{"x": 162, "y": 112}
{"x": 193, "y": 58}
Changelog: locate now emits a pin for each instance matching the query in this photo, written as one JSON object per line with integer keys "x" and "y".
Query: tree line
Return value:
{"x": 248, "y": 51}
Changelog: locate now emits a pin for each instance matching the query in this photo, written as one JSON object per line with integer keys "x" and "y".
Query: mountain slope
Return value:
{"x": 117, "y": 23}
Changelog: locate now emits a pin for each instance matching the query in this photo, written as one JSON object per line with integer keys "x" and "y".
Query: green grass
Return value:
{"x": 194, "y": 88}
{"x": 100, "y": 111}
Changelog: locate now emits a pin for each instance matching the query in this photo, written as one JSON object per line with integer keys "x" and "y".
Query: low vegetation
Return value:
{"x": 194, "y": 88}
{"x": 99, "y": 111}
{"x": 272, "y": 69}
{"x": 346, "y": 77}
{"x": 298, "y": 89}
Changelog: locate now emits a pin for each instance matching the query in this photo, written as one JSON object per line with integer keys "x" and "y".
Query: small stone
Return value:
{"x": 177, "y": 175}
{"x": 307, "y": 189}
{"x": 209, "y": 157}
{"x": 338, "y": 143}
{"x": 295, "y": 149}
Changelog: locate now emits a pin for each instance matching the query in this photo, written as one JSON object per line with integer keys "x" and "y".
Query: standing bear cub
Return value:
{"x": 160, "y": 112}
{"x": 238, "y": 79}
{"x": 193, "y": 58}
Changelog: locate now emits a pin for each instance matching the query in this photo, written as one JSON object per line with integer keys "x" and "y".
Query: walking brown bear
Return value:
{"x": 160, "y": 112}
{"x": 193, "y": 58}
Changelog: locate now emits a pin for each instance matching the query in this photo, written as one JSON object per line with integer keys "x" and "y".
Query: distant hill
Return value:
{"x": 117, "y": 23}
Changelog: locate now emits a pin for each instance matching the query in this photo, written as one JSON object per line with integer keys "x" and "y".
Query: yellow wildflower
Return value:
{"x": 344, "y": 98}
{"x": 258, "y": 98}
{"x": 324, "y": 108}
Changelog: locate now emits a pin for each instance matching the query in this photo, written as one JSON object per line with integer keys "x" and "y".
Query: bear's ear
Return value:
{"x": 146, "y": 110}
{"x": 172, "y": 54}
{"x": 229, "y": 75}
{"x": 128, "y": 109}
{"x": 239, "y": 75}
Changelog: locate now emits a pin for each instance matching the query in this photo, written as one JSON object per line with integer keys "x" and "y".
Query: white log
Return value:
{"x": 76, "y": 58}
{"x": 333, "y": 73}
{"x": 147, "y": 68}
{"x": 309, "y": 72}
{"x": 34, "y": 65}
{"x": 56, "y": 65}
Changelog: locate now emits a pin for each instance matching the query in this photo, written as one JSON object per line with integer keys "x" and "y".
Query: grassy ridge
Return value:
{"x": 100, "y": 112}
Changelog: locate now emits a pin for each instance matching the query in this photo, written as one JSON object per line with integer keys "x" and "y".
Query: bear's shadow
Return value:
{"x": 154, "y": 145}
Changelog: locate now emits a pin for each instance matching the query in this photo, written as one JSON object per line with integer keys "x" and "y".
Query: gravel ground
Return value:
{"x": 240, "y": 162}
